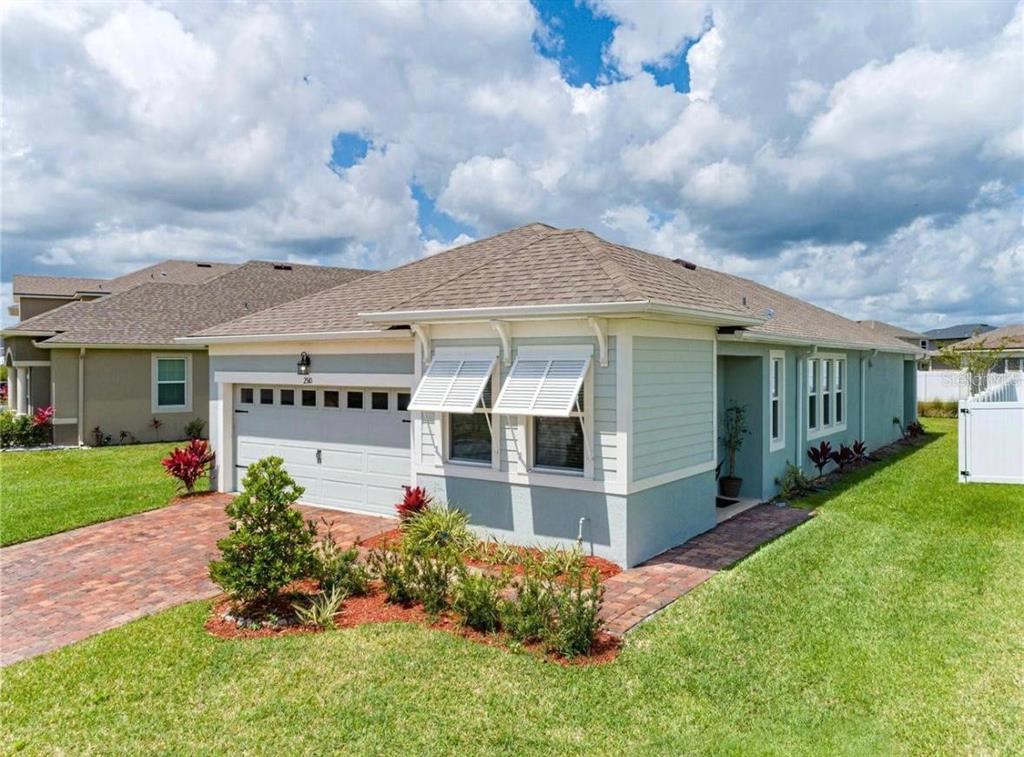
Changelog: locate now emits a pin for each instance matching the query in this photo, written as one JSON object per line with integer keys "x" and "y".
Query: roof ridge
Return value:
{"x": 618, "y": 275}
{"x": 488, "y": 261}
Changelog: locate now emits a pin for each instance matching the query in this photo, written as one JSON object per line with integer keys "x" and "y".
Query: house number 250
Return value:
{"x": 307, "y": 379}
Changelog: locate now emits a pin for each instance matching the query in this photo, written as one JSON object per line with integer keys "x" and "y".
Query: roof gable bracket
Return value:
{"x": 501, "y": 328}
{"x": 422, "y": 333}
{"x": 600, "y": 327}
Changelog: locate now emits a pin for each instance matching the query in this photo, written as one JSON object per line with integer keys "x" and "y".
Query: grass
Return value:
{"x": 892, "y": 623}
{"x": 46, "y": 492}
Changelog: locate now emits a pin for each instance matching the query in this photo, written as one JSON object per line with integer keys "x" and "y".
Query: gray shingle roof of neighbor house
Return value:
{"x": 541, "y": 265}
{"x": 157, "y": 312}
{"x": 52, "y": 286}
{"x": 891, "y": 330}
{"x": 959, "y": 331}
{"x": 1010, "y": 337}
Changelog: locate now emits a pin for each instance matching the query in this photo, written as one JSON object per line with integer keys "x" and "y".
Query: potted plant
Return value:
{"x": 734, "y": 428}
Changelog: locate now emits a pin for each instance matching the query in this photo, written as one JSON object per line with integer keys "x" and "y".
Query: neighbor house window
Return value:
{"x": 826, "y": 394}
{"x": 558, "y": 442}
{"x": 776, "y": 393}
{"x": 469, "y": 434}
{"x": 172, "y": 391}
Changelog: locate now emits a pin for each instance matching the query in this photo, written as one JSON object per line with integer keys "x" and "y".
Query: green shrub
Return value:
{"x": 194, "y": 428}
{"x": 269, "y": 545}
{"x": 477, "y": 600}
{"x": 337, "y": 568}
{"x": 434, "y": 580}
{"x": 793, "y": 482}
{"x": 555, "y": 561}
{"x": 436, "y": 530}
{"x": 398, "y": 573}
{"x": 937, "y": 409}
{"x": 527, "y": 616}
{"x": 20, "y": 430}
{"x": 320, "y": 610}
{"x": 575, "y": 617}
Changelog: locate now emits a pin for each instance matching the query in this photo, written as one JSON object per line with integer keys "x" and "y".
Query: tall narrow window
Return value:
{"x": 776, "y": 389}
{"x": 826, "y": 392}
{"x": 840, "y": 370}
{"x": 812, "y": 393}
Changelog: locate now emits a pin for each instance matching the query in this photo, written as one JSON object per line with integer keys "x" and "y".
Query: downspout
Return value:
{"x": 81, "y": 396}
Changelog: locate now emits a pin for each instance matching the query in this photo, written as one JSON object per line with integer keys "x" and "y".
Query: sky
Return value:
{"x": 866, "y": 157}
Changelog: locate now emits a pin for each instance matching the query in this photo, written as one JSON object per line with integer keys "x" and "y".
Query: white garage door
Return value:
{"x": 349, "y": 448}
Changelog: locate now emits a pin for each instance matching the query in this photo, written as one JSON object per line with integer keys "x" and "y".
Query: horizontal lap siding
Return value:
{"x": 673, "y": 412}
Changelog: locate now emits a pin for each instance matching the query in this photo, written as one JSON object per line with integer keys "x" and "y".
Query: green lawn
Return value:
{"x": 45, "y": 492}
{"x": 891, "y": 623}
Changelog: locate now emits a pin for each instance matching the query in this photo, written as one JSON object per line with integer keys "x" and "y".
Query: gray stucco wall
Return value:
{"x": 672, "y": 405}
{"x": 22, "y": 348}
{"x": 29, "y": 307}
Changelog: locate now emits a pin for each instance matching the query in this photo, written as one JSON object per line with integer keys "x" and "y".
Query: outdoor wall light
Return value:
{"x": 303, "y": 364}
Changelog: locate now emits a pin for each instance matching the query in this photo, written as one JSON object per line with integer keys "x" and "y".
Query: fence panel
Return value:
{"x": 991, "y": 427}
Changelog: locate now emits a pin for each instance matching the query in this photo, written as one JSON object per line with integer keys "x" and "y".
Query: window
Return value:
{"x": 171, "y": 391}
{"x": 309, "y": 398}
{"x": 840, "y": 369}
{"x": 558, "y": 443}
{"x": 354, "y": 400}
{"x": 288, "y": 397}
{"x": 379, "y": 400}
{"x": 245, "y": 395}
{"x": 812, "y": 394}
{"x": 469, "y": 434}
{"x": 826, "y": 392}
{"x": 776, "y": 393}
{"x": 331, "y": 398}
{"x": 266, "y": 396}
{"x": 403, "y": 401}
{"x": 826, "y": 395}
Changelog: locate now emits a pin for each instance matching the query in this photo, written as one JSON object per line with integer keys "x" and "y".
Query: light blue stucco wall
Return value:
{"x": 663, "y": 516}
{"x": 537, "y": 514}
{"x": 673, "y": 412}
{"x": 741, "y": 382}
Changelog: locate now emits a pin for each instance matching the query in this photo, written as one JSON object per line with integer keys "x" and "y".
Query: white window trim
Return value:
{"x": 832, "y": 428}
{"x": 154, "y": 384}
{"x": 779, "y": 442}
{"x": 495, "y": 427}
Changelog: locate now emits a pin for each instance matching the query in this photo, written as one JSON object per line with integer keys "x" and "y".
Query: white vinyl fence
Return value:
{"x": 992, "y": 435}
{"x": 950, "y": 386}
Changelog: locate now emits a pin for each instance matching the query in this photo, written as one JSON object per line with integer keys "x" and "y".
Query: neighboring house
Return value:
{"x": 1010, "y": 339}
{"x": 897, "y": 332}
{"x": 552, "y": 384}
{"x": 111, "y": 361}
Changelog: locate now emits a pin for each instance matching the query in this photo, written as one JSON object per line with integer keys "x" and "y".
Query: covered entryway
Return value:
{"x": 349, "y": 447}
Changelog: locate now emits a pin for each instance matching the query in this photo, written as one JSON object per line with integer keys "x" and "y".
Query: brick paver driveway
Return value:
{"x": 63, "y": 588}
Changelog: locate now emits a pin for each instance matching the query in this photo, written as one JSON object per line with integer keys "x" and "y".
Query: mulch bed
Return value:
{"x": 605, "y": 568}
{"x": 372, "y": 608}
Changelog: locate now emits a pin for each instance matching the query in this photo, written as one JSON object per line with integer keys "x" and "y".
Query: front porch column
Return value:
{"x": 22, "y": 396}
{"x": 12, "y": 387}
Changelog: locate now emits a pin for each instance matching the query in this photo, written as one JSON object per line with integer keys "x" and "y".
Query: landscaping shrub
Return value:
{"x": 99, "y": 439}
{"x": 556, "y": 561}
{"x": 937, "y": 409}
{"x": 527, "y": 616}
{"x": 436, "y": 530}
{"x": 477, "y": 600}
{"x": 434, "y": 581}
{"x": 842, "y": 457}
{"x": 415, "y": 501}
{"x": 820, "y": 456}
{"x": 269, "y": 545}
{"x": 194, "y": 428}
{"x": 189, "y": 463}
{"x": 860, "y": 449}
{"x": 914, "y": 430}
{"x": 26, "y": 430}
{"x": 575, "y": 617}
{"x": 397, "y": 571}
{"x": 319, "y": 611}
{"x": 793, "y": 483}
{"x": 338, "y": 568}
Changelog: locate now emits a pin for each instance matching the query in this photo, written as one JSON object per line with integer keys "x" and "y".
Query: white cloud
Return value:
{"x": 721, "y": 184}
{"x": 804, "y": 96}
{"x": 651, "y": 33}
{"x": 703, "y": 59}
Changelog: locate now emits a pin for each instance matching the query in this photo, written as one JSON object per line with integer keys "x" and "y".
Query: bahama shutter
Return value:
{"x": 542, "y": 386}
{"x": 452, "y": 385}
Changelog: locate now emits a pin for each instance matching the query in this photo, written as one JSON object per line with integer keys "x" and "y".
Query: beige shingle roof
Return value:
{"x": 168, "y": 272}
{"x": 1010, "y": 337}
{"x": 530, "y": 265}
{"x": 53, "y": 286}
{"x": 157, "y": 313}
{"x": 891, "y": 330}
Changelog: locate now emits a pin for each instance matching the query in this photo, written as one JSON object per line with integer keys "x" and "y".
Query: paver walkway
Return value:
{"x": 634, "y": 595}
{"x": 63, "y": 588}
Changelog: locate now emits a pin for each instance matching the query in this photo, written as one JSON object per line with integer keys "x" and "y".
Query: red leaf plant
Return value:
{"x": 189, "y": 463}
{"x": 820, "y": 456}
{"x": 860, "y": 449}
{"x": 416, "y": 500}
{"x": 843, "y": 456}
{"x": 42, "y": 416}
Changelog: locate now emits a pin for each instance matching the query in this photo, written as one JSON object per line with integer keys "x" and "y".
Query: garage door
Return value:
{"x": 349, "y": 447}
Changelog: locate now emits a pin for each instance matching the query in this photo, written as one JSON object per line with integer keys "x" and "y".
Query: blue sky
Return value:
{"x": 817, "y": 152}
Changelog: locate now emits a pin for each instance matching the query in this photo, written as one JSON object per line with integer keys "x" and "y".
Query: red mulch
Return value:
{"x": 372, "y": 608}
{"x": 605, "y": 568}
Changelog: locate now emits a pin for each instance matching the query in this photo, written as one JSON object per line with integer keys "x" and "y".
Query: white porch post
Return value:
{"x": 22, "y": 398}
{"x": 12, "y": 387}
{"x": 222, "y": 408}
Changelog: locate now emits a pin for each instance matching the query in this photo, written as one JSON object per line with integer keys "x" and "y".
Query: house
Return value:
{"x": 898, "y": 332}
{"x": 1008, "y": 339}
{"x": 552, "y": 384}
{"x": 103, "y": 353}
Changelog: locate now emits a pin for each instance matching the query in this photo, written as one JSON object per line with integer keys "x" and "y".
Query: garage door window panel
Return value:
{"x": 288, "y": 397}
{"x": 330, "y": 398}
{"x": 354, "y": 400}
{"x": 309, "y": 398}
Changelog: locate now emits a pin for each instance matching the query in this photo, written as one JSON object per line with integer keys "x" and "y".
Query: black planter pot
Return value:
{"x": 730, "y": 486}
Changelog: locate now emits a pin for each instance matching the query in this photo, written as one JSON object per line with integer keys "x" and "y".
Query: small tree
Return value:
{"x": 269, "y": 545}
{"x": 977, "y": 362}
{"x": 734, "y": 428}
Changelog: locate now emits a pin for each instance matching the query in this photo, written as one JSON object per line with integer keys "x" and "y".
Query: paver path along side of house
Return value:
{"x": 59, "y": 589}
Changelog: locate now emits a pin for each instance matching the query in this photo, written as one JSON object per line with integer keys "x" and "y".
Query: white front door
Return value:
{"x": 349, "y": 448}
